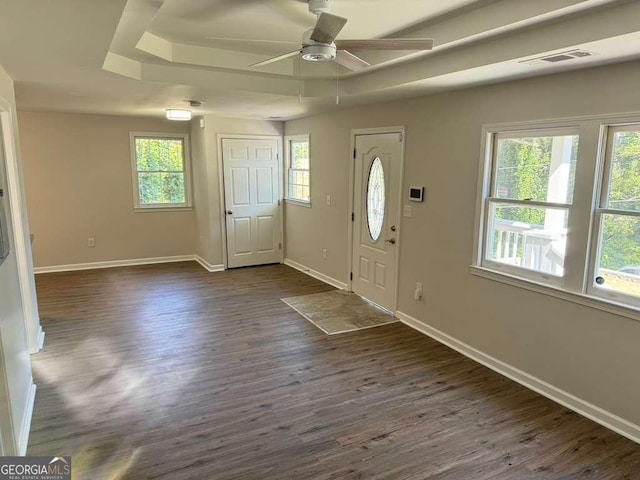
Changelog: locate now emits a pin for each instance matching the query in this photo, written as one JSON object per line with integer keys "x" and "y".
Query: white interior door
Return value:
{"x": 375, "y": 232}
{"x": 252, "y": 201}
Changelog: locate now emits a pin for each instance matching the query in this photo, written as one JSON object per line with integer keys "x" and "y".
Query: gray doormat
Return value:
{"x": 339, "y": 312}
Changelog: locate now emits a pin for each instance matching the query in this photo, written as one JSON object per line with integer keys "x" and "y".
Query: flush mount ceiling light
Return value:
{"x": 178, "y": 114}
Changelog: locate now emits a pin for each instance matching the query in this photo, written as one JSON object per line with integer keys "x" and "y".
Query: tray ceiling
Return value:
{"x": 142, "y": 56}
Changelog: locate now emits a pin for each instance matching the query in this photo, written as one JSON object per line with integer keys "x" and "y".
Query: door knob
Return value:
{"x": 393, "y": 228}
{"x": 229, "y": 212}
{"x": 392, "y": 241}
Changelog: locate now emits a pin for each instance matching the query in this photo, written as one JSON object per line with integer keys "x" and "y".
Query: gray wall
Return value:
{"x": 78, "y": 180}
{"x": 586, "y": 352}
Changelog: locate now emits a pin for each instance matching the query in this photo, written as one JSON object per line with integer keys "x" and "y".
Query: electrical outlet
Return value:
{"x": 324, "y": 253}
{"x": 91, "y": 242}
{"x": 408, "y": 211}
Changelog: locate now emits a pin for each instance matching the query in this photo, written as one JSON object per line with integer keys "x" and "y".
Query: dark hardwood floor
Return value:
{"x": 170, "y": 372}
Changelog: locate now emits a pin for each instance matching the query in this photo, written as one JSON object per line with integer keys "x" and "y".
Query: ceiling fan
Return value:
{"x": 320, "y": 45}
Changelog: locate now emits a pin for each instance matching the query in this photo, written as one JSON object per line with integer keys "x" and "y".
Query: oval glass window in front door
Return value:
{"x": 376, "y": 199}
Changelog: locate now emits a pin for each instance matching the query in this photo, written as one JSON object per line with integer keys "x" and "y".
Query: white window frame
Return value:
{"x": 288, "y": 140}
{"x": 138, "y": 207}
{"x": 485, "y": 261}
{"x": 601, "y": 209}
{"x": 582, "y": 254}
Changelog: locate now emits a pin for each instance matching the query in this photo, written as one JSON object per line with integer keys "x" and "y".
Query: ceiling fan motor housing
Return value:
{"x": 319, "y": 53}
{"x": 319, "y": 6}
{"x": 315, "y": 51}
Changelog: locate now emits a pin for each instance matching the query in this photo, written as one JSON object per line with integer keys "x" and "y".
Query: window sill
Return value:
{"x": 579, "y": 298}
{"x": 300, "y": 203}
{"x": 161, "y": 209}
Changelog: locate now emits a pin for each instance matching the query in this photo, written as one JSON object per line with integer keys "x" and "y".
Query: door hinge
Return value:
{"x": 278, "y": 202}
{"x": 353, "y": 216}
{"x": 401, "y": 136}
{"x": 277, "y": 156}
{"x": 354, "y": 153}
{"x": 351, "y": 276}
{"x": 280, "y": 246}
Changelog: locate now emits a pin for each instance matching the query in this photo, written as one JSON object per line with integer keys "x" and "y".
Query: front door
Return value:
{"x": 376, "y": 223}
{"x": 252, "y": 201}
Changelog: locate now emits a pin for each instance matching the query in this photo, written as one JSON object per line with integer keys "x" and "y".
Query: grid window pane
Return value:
{"x": 300, "y": 155}
{"x": 618, "y": 267}
{"x": 157, "y": 188}
{"x": 298, "y": 175}
{"x": 536, "y": 168}
{"x": 528, "y": 237}
{"x": 161, "y": 171}
{"x": 624, "y": 188}
{"x": 159, "y": 155}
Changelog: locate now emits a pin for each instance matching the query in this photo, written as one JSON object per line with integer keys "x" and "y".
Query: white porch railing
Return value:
{"x": 529, "y": 246}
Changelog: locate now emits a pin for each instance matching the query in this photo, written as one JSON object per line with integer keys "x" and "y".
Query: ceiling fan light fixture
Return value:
{"x": 319, "y": 53}
{"x": 179, "y": 115}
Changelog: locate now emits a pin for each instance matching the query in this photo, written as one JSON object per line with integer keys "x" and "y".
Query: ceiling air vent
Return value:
{"x": 559, "y": 57}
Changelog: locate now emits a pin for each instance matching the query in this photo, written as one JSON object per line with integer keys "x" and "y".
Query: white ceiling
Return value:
{"x": 142, "y": 56}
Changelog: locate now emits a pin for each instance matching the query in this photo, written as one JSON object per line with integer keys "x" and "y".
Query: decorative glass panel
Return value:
{"x": 376, "y": 199}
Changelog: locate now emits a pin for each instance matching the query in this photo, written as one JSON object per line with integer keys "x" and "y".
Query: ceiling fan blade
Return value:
{"x": 386, "y": 44}
{"x": 275, "y": 59}
{"x": 327, "y": 28}
{"x": 350, "y": 61}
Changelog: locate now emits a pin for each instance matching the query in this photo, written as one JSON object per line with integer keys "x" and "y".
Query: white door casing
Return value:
{"x": 252, "y": 201}
{"x": 375, "y": 244}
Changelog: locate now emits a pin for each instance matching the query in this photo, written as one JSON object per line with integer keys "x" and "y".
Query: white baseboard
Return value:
{"x": 320, "y": 276}
{"x": 23, "y": 441}
{"x": 114, "y": 263}
{"x": 208, "y": 266}
{"x": 597, "y": 414}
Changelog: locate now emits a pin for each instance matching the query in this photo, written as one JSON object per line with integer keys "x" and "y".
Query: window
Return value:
{"x": 531, "y": 195}
{"x": 298, "y": 181}
{"x": 160, "y": 171}
{"x": 617, "y": 260}
{"x": 559, "y": 208}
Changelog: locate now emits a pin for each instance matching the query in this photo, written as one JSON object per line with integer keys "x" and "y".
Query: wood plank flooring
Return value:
{"x": 170, "y": 372}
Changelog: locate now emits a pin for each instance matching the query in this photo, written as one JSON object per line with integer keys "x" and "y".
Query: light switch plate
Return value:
{"x": 408, "y": 211}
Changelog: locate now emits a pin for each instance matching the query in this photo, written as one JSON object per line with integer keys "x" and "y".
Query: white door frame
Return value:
{"x": 223, "y": 215}
{"x": 352, "y": 159}
{"x": 21, "y": 234}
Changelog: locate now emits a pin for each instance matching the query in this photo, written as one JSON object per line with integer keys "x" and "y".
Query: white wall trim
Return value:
{"x": 26, "y": 422}
{"x": 593, "y": 412}
{"x": 315, "y": 274}
{"x": 114, "y": 263}
{"x": 208, "y": 266}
